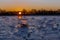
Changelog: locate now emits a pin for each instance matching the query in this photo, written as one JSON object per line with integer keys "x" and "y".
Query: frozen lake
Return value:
{"x": 39, "y": 28}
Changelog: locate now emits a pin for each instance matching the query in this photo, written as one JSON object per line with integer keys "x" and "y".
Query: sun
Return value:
{"x": 20, "y": 13}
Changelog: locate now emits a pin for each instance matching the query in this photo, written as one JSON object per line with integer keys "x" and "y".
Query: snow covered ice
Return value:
{"x": 39, "y": 28}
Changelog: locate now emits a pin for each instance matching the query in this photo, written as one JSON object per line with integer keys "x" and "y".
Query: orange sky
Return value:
{"x": 18, "y": 5}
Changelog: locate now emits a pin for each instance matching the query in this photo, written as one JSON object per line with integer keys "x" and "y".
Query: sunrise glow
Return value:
{"x": 18, "y": 5}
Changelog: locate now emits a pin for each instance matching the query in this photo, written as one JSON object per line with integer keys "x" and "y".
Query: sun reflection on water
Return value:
{"x": 19, "y": 17}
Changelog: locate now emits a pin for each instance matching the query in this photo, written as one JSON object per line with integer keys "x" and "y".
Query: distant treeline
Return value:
{"x": 31, "y": 12}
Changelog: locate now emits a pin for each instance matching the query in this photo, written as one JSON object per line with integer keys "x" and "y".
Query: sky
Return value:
{"x": 18, "y": 5}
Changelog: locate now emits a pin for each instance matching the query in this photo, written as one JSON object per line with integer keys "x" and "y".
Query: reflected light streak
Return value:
{"x": 19, "y": 17}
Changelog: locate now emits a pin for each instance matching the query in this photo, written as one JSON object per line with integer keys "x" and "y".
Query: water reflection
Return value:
{"x": 19, "y": 17}
{"x": 39, "y": 27}
{"x": 21, "y": 28}
{"x": 22, "y": 20}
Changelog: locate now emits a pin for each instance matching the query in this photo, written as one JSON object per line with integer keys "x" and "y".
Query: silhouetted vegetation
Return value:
{"x": 31, "y": 12}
